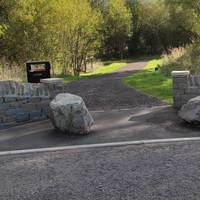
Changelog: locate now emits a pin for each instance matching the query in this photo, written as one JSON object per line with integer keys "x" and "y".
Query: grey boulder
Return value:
{"x": 70, "y": 115}
{"x": 190, "y": 111}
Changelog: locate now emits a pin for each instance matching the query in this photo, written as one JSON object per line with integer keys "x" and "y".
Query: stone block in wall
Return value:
{"x": 195, "y": 81}
{"x": 4, "y": 106}
{"x": 13, "y": 111}
{"x": 28, "y": 107}
{"x": 193, "y": 90}
{"x": 44, "y": 104}
{"x": 33, "y": 99}
{"x": 45, "y": 98}
{"x": 1, "y": 100}
{"x": 60, "y": 88}
{"x": 21, "y": 98}
{"x": 35, "y": 115}
{"x": 15, "y": 105}
{"x": 22, "y": 117}
{"x": 180, "y": 86}
{"x": 46, "y": 112}
{"x": 10, "y": 98}
{"x": 7, "y": 119}
{"x": 177, "y": 101}
{"x": 179, "y": 91}
{"x": 182, "y": 79}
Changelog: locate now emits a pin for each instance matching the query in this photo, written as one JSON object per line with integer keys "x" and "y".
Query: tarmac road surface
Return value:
{"x": 134, "y": 172}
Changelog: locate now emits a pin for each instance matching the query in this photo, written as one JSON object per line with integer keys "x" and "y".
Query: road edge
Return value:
{"x": 88, "y": 146}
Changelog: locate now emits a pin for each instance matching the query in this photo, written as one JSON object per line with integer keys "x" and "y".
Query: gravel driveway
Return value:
{"x": 108, "y": 91}
{"x": 141, "y": 116}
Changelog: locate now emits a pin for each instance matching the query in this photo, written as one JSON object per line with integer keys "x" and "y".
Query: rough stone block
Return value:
{"x": 43, "y": 104}
{"x": 180, "y": 80}
{"x": 22, "y": 117}
{"x": 15, "y": 105}
{"x": 29, "y": 107}
{"x": 46, "y": 112}
{"x": 180, "y": 86}
{"x": 1, "y": 100}
{"x": 13, "y": 111}
{"x": 193, "y": 90}
{"x": 4, "y": 106}
{"x": 21, "y": 98}
{"x": 33, "y": 99}
{"x": 10, "y": 99}
{"x": 7, "y": 119}
{"x": 35, "y": 115}
{"x": 179, "y": 91}
{"x": 47, "y": 98}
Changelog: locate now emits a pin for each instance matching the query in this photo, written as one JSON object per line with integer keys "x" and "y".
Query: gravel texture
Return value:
{"x": 108, "y": 91}
{"x": 145, "y": 172}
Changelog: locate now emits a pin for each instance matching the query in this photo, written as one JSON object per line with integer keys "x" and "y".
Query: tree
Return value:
{"x": 192, "y": 10}
{"x": 116, "y": 28}
{"x": 158, "y": 26}
{"x": 78, "y": 32}
{"x": 27, "y": 31}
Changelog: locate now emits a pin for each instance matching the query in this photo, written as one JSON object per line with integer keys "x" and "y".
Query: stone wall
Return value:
{"x": 185, "y": 87}
{"x": 25, "y": 102}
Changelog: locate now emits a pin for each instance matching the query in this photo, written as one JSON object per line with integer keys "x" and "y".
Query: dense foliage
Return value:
{"x": 68, "y": 32}
{"x": 187, "y": 57}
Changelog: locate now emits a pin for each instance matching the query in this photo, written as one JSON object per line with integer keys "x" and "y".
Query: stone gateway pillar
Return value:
{"x": 185, "y": 87}
{"x": 180, "y": 86}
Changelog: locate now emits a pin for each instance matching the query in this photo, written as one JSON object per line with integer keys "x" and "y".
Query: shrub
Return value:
{"x": 182, "y": 58}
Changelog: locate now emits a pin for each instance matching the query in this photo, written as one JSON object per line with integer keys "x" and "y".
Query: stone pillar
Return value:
{"x": 180, "y": 87}
{"x": 54, "y": 85}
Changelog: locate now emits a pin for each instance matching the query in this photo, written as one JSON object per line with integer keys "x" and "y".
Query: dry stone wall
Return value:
{"x": 25, "y": 102}
{"x": 185, "y": 87}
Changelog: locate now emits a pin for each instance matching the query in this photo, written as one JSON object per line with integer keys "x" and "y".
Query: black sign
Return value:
{"x": 37, "y": 70}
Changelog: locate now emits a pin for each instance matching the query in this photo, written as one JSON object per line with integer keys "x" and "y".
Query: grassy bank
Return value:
{"x": 105, "y": 68}
{"x": 152, "y": 82}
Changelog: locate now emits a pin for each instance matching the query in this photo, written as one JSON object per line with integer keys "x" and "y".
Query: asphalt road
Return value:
{"x": 141, "y": 172}
{"x": 110, "y": 126}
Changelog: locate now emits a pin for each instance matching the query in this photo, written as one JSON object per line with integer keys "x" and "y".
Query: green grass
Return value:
{"x": 152, "y": 82}
{"x": 108, "y": 67}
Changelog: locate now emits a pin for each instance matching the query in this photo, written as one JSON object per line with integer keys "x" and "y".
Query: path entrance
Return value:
{"x": 108, "y": 92}
{"x": 121, "y": 114}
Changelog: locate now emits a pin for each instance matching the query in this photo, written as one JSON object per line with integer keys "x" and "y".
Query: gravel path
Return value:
{"x": 144, "y": 172}
{"x": 108, "y": 92}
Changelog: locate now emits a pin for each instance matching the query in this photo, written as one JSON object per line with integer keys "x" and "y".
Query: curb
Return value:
{"x": 88, "y": 146}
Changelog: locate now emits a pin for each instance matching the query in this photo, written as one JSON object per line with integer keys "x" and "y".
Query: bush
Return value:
{"x": 187, "y": 58}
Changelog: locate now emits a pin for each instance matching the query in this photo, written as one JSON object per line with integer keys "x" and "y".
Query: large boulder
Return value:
{"x": 70, "y": 115}
{"x": 190, "y": 112}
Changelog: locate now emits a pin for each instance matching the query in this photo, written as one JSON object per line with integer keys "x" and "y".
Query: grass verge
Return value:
{"x": 152, "y": 82}
{"x": 108, "y": 67}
